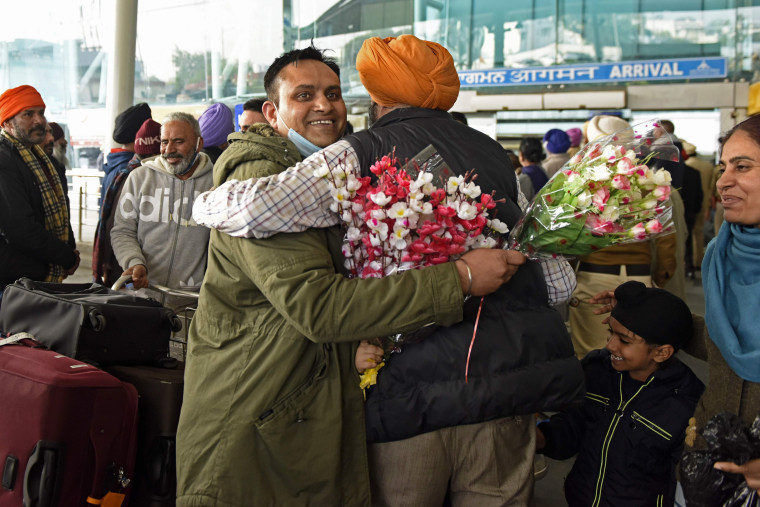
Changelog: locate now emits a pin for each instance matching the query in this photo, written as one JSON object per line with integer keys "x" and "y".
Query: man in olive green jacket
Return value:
{"x": 272, "y": 411}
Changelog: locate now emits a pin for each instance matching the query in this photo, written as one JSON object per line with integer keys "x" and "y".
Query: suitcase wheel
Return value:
{"x": 97, "y": 320}
{"x": 176, "y": 323}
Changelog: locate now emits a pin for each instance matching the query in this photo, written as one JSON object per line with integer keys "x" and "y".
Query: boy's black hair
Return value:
{"x": 254, "y": 105}
{"x": 531, "y": 149}
{"x": 294, "y": 56}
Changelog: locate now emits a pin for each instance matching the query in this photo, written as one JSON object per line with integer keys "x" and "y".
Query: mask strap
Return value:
{"x": 280, "y": 116}
{"x": 192, "y": 160}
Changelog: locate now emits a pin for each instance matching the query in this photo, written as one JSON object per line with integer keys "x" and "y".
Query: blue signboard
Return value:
{"x": 644, "y": 70}
{"x": 236, "y": 115}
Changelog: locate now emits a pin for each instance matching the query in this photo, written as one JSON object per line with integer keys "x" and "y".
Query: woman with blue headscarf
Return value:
{"x": 731, "y": 279}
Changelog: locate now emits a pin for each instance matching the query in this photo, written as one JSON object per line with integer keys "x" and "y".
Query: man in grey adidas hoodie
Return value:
{"x": 154, "y": 235}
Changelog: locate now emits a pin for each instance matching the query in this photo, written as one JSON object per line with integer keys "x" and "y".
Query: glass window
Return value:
{"x": 209, "y": 50}
{"x": 190, "y": 52}
{"x": 484, "y": 34}
{"x": 342, "y": 27}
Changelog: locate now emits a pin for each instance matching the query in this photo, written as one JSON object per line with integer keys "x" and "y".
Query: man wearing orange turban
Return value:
{"x": 34, "y": 219}
{"x": 408, "y": 71}
{"x": 429, "y": 430}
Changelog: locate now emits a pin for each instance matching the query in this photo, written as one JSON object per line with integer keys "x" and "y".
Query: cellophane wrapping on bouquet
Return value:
{"x": 614, "y": 190}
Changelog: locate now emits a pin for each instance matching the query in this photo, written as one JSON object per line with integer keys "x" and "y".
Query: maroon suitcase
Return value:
{"x": 67, "y": 430}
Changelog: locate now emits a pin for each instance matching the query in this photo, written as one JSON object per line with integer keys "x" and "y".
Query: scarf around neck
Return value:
{"x": 733, "y": 307}
{"x": 53, "y": 201}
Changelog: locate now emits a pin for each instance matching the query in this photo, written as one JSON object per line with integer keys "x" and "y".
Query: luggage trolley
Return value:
{"x": 186, "y": 304}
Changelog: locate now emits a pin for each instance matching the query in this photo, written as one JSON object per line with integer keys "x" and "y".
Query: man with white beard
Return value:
{"x": 59, "y": 145}
{"x": 60, "y": 164}
{"x": 154, "y": 233}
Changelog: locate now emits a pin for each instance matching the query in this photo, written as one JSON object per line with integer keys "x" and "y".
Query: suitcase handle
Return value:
{"x": 41, "y": 475}
{"x": 121, "y": 282}
{"x": 61, "y": 288}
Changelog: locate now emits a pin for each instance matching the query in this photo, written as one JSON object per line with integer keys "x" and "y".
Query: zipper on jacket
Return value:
{"x": 636, "y": 417}
{"x": 619, "y": 412}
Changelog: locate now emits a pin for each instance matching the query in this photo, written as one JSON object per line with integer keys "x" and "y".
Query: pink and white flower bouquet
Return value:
{"x": 410, "y": 217}
{"x": 610, "y": 192}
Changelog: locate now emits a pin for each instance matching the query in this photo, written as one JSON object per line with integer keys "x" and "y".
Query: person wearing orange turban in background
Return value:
{"x": 38, "y": 242}
{"x": 430, "y": 432}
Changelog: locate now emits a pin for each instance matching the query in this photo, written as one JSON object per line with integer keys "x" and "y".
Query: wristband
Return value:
{"x": 468, "y": 294}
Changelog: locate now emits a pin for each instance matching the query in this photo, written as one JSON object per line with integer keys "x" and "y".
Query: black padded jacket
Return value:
{"x": 522, "y": 359}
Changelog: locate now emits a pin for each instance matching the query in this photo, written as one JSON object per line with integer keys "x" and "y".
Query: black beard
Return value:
{"x": 25, "y": 136}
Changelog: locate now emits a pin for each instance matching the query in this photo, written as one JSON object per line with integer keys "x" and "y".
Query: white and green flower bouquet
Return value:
{"x": 614, "y": 190}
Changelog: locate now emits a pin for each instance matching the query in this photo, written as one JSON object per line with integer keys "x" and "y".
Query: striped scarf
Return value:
{"x": 53, "y": 200}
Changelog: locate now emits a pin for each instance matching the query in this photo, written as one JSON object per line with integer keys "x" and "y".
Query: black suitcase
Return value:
{"x": 89, "y": 322}
{"x": 160, "y": 401}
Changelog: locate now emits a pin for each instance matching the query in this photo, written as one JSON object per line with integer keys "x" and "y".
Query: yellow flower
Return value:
{"x": 369, "y": 377}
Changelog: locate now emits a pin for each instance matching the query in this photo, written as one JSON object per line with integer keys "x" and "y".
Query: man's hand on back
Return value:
{"x": 489, "y": 269}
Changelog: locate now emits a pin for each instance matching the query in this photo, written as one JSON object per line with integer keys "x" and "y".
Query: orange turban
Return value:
{"x": 18, "y": 99}
{"x": 407, "y": 70}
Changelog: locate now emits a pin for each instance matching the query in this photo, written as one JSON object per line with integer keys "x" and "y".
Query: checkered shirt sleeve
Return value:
{"x": 558, "y": 274}
{"x": 292, "y": 201}
{"x": 296, "y": 200}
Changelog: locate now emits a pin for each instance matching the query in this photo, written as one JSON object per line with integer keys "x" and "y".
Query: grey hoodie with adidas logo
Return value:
{"x": 153, "y": 224}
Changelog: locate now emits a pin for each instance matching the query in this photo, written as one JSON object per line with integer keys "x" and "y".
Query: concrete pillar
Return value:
{"x": 217, "y": 80}
{"x": 242, "y": 74}
{"x": 103, "y": 88}
{"x": 121, "y": 64}
{"x": 245, "y": 52}
{"x": 72, "y": 82}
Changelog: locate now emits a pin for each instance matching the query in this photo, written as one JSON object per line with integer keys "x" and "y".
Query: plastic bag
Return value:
{"x": 744, "y": 496}
{"x": 728, "y": 439}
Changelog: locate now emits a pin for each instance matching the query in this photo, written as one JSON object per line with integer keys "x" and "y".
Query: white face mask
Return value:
{"x": 304, "y": 146}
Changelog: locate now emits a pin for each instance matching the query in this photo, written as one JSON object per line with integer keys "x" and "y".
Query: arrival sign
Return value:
{"x": 643, "y": 70}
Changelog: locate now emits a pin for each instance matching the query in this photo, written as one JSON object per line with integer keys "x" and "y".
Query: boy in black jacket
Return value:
{"x": 630, "y": 431}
